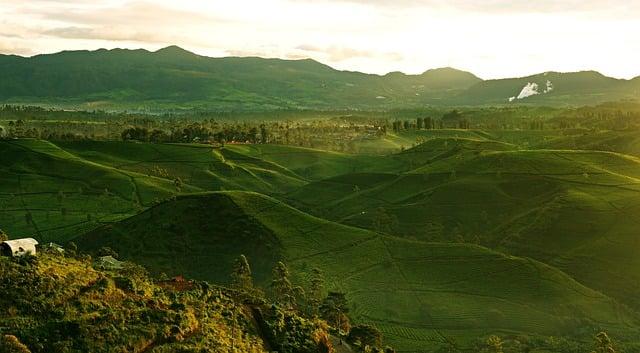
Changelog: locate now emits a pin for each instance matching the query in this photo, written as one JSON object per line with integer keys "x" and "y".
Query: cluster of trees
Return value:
{"x": 334, "y": 131}
{"x": 295, "y": 309}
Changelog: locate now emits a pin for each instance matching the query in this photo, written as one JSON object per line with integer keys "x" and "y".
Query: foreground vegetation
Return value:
{"x": 66, "y": 303}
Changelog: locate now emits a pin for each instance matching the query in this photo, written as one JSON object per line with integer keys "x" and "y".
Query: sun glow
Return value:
{"x": 503, "y": 39}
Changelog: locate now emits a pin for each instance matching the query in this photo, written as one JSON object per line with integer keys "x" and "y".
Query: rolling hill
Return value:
{"x": 173, "y": 78}
{"x": 55, "y": 191}
{"x": 576, "y": 210}
{"x": 551, "y": 88}
{"x": 419, "y": 294}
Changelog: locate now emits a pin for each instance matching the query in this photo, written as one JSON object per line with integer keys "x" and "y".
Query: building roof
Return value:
{"x": 21, "y": 246}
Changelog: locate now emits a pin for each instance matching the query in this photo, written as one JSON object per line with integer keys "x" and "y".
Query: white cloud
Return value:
{"x": 486, "y": 37}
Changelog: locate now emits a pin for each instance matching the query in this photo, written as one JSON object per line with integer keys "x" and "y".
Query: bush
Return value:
{"x": 11, "y": 344}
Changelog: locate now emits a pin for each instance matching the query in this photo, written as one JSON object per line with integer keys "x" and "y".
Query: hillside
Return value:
{"x": 572, "y": 209}
{"x": 175, "y": 78}
{"x": 58, "y": 303}
{"x": 56, "y": 190}
{"x": 418, "y": 298}
{"x": 551, "y": 88}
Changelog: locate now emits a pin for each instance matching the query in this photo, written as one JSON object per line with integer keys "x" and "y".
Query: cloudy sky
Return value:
{"x": 492, "y": 38}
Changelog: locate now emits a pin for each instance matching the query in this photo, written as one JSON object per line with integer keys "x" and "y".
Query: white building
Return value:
{"x": 18, "y": 247}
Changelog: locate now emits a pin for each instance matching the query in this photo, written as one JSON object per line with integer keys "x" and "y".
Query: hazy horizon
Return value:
{"x": 498, "y": 39}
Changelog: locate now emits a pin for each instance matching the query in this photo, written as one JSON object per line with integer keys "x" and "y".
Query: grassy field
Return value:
{"x": 571, "y": 208}
{"x": 468, "y": 233}
{"x": 420, "y": 294}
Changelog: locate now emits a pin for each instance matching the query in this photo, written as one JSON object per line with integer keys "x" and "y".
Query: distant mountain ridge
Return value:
{"x": 176, "y": 78}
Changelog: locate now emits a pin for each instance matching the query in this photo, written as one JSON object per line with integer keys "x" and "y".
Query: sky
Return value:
{"x": 491, "y": 38}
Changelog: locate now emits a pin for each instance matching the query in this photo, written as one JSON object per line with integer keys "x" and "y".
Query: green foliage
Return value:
{"x": 290, "y": 333}
{"x": 316, "y": 290}
{"x": 105, "y": 251}
{"x": 493, "y": 344}
{"x": 281, "y": 285}
{"x": 11, "y": 344}
{"x": 61, "y": 304}
{"x": 241, "y": 274}
{"x": 365, "y": 336}
{"x": 334, "y": 309}
{"x": 603, "y": 344}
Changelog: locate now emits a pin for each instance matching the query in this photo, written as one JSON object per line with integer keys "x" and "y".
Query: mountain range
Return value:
{"x": 173, "y": 78}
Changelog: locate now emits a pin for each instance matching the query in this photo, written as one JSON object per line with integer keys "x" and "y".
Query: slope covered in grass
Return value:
{"x": 50, "y": 192}
{"x": 577, "y": 210}
{"x": 55, "y": 190}
{"x": 418, "y": 293}
{"x": 202, "y": 166}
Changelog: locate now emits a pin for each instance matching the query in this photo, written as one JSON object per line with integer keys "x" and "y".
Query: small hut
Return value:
{"x": 18, "y": 247}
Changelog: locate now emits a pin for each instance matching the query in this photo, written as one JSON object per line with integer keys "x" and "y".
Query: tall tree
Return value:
{"x": 281, "y": 285}
{"x": 334, "y": 309}
{"x": 366, "y": 335}
{"x": 264, "y": 134}
{"x": 316, "y": 290}
{"x": 241, "y": 277}
{"x": 603, "y": 344}
{"x": 493, "y": 344}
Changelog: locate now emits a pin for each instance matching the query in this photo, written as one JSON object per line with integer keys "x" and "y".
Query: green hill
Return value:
{"x": 419, "y": 294}
{"x": 47, "y": 191}
{"x": 57, "y": 190}
{"x": 175, "y": 78}
{"x": 572, "y": 209}
{"x": 553, "y": 88}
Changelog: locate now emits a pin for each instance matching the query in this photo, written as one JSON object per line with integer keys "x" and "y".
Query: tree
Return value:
{"x": 177, "y": 182}
{"x": 334, "y": 309}
{"x": 367, "y": 335}
{"x": 11, "y": 344}
{"x": 493, "y": 344}
{"x": 241, "y": 278}
{"x": 603, "y": 344}
{"x": 281, "y": 285}
{"x": 316, "y": 290}
{"x": 264, "y": 134}
{"x": 107, "y": 251}
{"x": 71, "y": 249}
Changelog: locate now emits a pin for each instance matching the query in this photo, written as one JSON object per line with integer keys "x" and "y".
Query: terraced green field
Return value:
{"x": 577, "y": 210}
{"x": 467, "y": 234}
{"x": 419, "y": 294}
